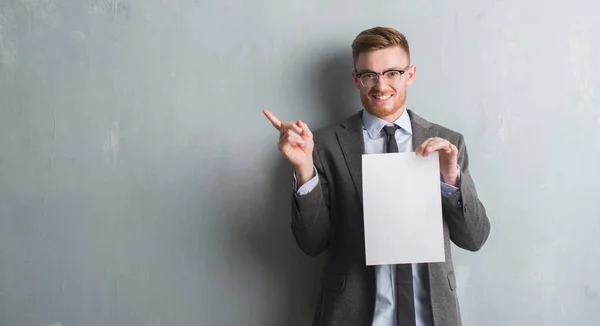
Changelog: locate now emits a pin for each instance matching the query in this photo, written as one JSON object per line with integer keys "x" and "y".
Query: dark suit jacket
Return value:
{"x": 330, "y": 218}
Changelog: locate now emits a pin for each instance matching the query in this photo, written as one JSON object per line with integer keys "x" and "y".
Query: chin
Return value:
{"x": 383, "y": 112}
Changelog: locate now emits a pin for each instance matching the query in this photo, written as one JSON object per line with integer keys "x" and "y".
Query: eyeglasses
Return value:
{"x": 391, "y": 77}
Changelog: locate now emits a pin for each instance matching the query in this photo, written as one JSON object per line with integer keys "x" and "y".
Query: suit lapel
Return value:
{"x": 420, "y": 129}
{"x": 351, "y": 141}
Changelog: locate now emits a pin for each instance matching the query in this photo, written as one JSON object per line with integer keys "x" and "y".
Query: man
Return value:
{"x": 327, "y": 205}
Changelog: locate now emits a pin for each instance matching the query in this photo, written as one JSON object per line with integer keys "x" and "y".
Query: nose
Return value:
{"x": 381, "y": 85}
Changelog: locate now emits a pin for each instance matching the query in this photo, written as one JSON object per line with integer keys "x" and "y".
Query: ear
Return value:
{"x": 411, "y": 71}
{"x": 355, "y": 79}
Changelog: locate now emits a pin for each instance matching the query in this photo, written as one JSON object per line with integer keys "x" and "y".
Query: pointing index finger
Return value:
{"x": 274, "y": 121}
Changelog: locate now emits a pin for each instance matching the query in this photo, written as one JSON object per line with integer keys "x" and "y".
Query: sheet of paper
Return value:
{"x": 402, "y": 208}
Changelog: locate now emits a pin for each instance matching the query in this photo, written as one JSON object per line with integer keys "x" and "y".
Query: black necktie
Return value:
{"x": 404, "y": 280}
{"x": 391, "y": 143}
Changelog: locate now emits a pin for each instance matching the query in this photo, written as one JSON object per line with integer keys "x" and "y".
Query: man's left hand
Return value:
{"x": 448, "y": 157}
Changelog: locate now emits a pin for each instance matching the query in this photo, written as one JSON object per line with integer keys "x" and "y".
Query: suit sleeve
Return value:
{"x": 310, "y": 214}
{"x": 464, "y": 213}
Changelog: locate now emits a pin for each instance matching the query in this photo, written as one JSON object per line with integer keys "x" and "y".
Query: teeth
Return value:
{"x": 385, "y": 97}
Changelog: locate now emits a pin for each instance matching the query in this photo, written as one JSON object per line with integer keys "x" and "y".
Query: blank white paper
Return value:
{"x": 402, "y": 208}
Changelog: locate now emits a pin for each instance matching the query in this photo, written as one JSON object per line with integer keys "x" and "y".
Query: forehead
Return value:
{"x": 381, "y": 60}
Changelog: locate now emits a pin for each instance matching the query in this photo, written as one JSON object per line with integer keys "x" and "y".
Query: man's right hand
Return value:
{"x": 296, "y": 144}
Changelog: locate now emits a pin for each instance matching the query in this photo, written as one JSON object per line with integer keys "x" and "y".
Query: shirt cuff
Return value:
{"x": 448, "y": 190}
{"x": 306, "y": 188}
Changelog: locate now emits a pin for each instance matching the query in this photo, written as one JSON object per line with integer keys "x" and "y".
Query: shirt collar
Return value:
{"x": 374, "y": 125}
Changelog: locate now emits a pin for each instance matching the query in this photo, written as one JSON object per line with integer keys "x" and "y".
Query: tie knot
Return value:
{"x": 390, "y": 130}
{"x": 391, "y": 144}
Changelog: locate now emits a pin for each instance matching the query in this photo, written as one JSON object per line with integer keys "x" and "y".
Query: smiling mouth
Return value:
{"x": 382, "y": 97}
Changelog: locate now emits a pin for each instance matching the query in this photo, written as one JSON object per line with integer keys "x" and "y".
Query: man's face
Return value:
{"x": 383, "y": 100}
